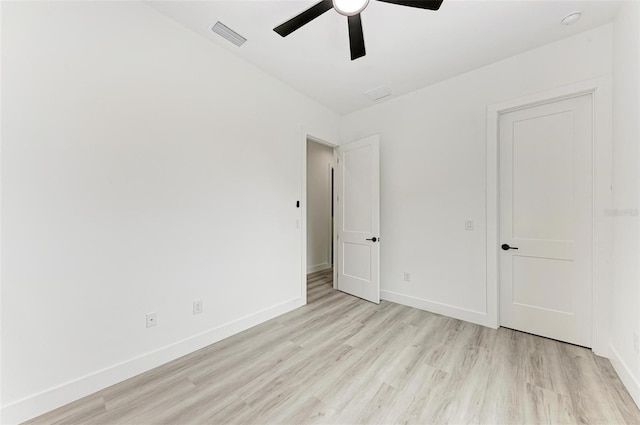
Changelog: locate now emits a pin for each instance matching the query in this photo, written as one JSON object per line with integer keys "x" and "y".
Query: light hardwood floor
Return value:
{"x": 341, "y": 360}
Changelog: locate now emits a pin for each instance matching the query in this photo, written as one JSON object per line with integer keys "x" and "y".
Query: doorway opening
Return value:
{"x": 320, "y": 219}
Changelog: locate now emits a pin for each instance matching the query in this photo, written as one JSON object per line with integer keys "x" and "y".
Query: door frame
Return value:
{"x": 305, "y": 135}
{"x": 600, "y": 91}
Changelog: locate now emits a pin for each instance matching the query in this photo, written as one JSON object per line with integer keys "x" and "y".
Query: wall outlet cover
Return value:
{"x": 152, "y": 319}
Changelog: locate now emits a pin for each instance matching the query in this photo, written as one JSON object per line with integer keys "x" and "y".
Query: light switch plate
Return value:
{"x": 197, "y": 307}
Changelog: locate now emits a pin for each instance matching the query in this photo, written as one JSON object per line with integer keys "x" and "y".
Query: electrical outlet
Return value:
{"x": 407, "y": 277}
{"x": 152, "y": 319}
{"x": 197, "y": 307}
{"x": 636, "y": 342}
{"x": 468, "y": 225}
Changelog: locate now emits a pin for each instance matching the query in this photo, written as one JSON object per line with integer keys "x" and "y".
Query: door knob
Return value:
{"x": 506, "y": 247}
{"x": 373, "y": 239}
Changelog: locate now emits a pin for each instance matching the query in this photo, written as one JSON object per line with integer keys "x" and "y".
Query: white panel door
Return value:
{"x": 546, "y": 219}
{"x": 359, "y": 218}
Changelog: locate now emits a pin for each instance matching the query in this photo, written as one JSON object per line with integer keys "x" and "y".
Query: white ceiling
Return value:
{"x": 407, "y": 48}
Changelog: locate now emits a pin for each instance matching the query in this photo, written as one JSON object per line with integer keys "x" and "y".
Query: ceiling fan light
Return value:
{"x": 349, "y": 7}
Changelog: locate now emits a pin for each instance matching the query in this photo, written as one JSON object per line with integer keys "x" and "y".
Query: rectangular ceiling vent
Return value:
{"x": 225, "y": 32}
{"x": 378, "y": 93}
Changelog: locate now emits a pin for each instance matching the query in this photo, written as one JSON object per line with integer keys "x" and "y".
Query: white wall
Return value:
{"x": 626, "y": 196}
{"x": 143, "y": 167}
{"x": 433, "y": 170}
{"x": 319, "y": 231}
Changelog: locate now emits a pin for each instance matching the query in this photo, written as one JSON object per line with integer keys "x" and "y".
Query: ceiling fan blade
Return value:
{"x": 422, "y": 4}
{"x": 356, "y": 37}
{"x": 304, "y": 18}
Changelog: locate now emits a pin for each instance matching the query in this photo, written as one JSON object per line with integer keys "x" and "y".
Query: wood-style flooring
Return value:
{"x": 342, "y": 360}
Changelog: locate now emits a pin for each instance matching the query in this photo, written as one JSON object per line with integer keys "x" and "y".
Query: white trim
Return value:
{"x": 623, "y": 371}
{"x": 53, "y": 398}
{"x": 472, "y": 316}
{"x": 318, "y": 267}
{"x": 303, "y": 215}
{"x": 336, "y": 188}
{"x": 600, "y": 89}
{"x": 330, "y": 227}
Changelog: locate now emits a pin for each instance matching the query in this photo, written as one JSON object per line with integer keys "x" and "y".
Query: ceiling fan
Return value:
{"x": 351, "y": 9}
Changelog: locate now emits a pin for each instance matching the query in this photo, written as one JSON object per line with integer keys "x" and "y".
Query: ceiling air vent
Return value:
{"x": 378, "y": 93}
{"x": 225, "y": 32}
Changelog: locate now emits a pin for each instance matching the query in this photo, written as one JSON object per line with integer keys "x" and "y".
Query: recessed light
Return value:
{"x": 571, "y": 18}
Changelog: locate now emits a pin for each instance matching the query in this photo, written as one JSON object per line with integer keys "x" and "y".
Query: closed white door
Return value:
{"x": 358, "y": 202}
{"x": 546, "y": 221}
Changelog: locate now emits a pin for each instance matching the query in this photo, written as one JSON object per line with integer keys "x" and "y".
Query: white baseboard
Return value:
{"x": 53, "y": 398}
{"x": 630, "y": 382}
{"x": 476, "y": 317}
{"x": 318, "y": 268}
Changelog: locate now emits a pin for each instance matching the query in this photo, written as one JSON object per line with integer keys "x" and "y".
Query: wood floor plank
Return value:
{"x": 342, "y": 360}
{"x": 84, "y": 409}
